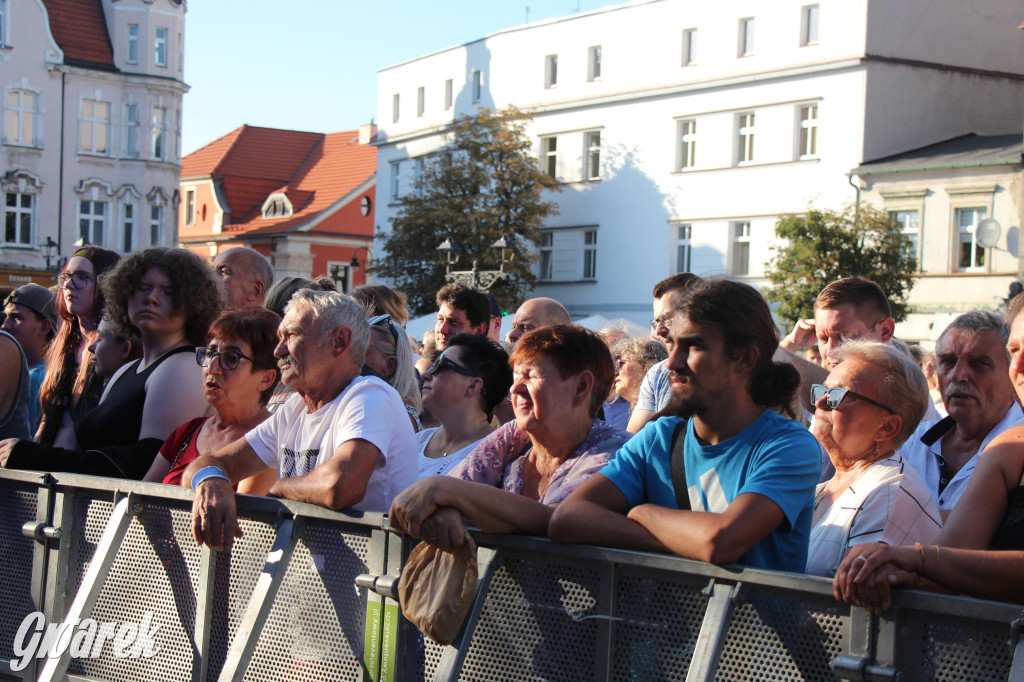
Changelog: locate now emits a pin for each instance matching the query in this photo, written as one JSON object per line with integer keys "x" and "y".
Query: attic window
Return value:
{"x": 276, "y": 207}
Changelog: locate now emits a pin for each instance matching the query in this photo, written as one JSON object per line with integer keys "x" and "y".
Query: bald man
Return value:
{"x": 537, "y": 313}
{"x": 246, "y": 273}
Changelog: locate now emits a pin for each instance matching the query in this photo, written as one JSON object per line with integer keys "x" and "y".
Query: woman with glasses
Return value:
{"x": 239, "y": 374}
{"x": 167, "y": 298}
{"x": 513, "y": 479}
{"x": 70, "y": 387}
{"x": 389, "y": 356}
{"x": 461, "y": 388}
{"x": 870, "y": 404}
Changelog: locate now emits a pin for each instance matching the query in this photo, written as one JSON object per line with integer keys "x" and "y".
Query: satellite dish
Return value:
{"x": 987, "y": 232}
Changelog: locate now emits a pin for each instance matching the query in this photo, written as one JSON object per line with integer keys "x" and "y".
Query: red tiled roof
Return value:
{"x": 313, "y": 170}
{"x": 80, "y": 28}
{"x": 250, "y": 163}
{"x": 333, "y": 170}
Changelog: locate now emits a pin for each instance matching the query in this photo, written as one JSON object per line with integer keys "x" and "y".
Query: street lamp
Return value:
{"x": 49, "y": 251}
{"x": 475, "y": 278}
{"x": 354, "y": 263}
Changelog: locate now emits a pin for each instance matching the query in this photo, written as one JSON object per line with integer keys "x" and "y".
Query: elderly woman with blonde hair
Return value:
{"x": 870, "y": 404}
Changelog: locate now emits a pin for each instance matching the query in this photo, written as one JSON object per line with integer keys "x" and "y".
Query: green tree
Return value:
{"x": 483, "y": 184}
{"x": 823, "y": 246}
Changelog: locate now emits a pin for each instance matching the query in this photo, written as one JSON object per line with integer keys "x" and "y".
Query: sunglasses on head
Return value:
{"x": 229, "y": 359}
{"x": 835, "y": 396}
{"x": 443, "y": 364}
{"x": 378, "y": 319}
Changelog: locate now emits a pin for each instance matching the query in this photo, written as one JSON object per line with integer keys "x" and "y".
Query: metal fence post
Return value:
{"x": 712, "y": 631}
{"x": 204, "y": 614}
{"x": 255, "y": 617}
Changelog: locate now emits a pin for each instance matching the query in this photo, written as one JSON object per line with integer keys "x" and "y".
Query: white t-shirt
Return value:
{"x": 294, "y": 441}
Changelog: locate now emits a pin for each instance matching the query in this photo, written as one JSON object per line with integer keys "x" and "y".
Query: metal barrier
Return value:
{"x": 308, "y": 594}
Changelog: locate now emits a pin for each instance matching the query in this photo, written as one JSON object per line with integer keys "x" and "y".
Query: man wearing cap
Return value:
{"x": 31, "y": 312}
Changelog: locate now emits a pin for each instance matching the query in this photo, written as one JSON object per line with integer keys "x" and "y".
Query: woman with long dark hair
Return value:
{"x": 70, "y": 388}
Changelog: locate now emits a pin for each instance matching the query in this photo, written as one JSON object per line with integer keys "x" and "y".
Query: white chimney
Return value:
{"x": 367, "y": 132}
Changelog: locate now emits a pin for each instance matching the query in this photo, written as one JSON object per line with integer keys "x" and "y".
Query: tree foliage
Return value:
{"x": 823, "y": 246}
{"x": 482, "y": 185}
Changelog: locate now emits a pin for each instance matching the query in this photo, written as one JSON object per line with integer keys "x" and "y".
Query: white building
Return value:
{"x": 91, "y": 124}
{"x": 682, "y": 130}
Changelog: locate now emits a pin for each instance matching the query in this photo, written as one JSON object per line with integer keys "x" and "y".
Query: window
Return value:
{"x": 128, "y": 228}
{"x": 181, "y": 55}
{"x": 18, "y": 212}
{"x": 549, "y": 155}
{"x": 687, "y": 144}
{"x": 156, "y": 225}
{"x": 276, "y": 208}
{"x": 971, "y": 254}
{"x": 92, "y": 217}
{"x": 94, "y": 122}
{"x": 421, "y": 100}
{"x": 159, "y": 133}
{"x": 131, "y": 131}
{"x": 684, "y": 247}
{"x": 419, "y": 165}
{"x": 395, "y": 107}
{"x": 689, "y": 46}
{"x": 808, "y": 136}
{"x": 395, "y": 167}
{"x": 20, "y": 114}
{"x": 546, "y": 244}
{"x": 740, "y": 249}
{"x": 478, "y": 85}
{"x": 911, "y": 229}
{"x": 449, "y": 87}
{"x": 4, "y": 14}
{"x": 746, "y": 43}
{"x": 592, "y": 170}
{"x": 594, "y": 63}
{"x": 809, "y": 25}
{"x": 160, "y": 48}
{"x": 590, "y": 254}
{"x": 551, "y": 71}
{"x": 190, "y": 207}
{"x": 744, "y": 138}
{"x": 133, "y": 44}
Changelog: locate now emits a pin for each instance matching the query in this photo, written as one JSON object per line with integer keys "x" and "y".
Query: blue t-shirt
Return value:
{"x": 773, "y": 457}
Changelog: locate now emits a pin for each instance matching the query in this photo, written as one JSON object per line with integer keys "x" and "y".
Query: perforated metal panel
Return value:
{"x": 156, "y": 570}
{"x": 237, "y": 572}
{"x": 783, "y": 637}
{"x": 16, "y": 555}
{"x": 966, "y": 651}
{"x": 429, "y": 656}
{"x": 535, "y": 624}
{"x": 656, "y": 627}
{"x": 315, "y": 629}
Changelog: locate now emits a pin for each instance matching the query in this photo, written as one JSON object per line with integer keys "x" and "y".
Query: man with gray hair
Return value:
{"x": 343, "y": 440}
{"x": 973, "y": 372}
{"x": 247, "y": 275}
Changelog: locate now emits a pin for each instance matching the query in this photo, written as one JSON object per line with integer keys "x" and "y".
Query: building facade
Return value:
{"x": 961, "y": 203}
{"x": 304, "y": 200}
{"x": 680, "y": 132}
{"x": 91, "y": 133}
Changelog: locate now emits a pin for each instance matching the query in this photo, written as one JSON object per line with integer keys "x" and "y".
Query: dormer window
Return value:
{"x": 277, "y": 206}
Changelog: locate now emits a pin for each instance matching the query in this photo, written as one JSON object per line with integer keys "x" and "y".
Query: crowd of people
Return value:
{"x": 836, "y": 450}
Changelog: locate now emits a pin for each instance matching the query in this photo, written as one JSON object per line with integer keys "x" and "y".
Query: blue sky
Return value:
{"x": 312, "y": 64}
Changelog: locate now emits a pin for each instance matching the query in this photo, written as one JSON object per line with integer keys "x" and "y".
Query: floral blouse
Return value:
{"x": 498, "y": 460}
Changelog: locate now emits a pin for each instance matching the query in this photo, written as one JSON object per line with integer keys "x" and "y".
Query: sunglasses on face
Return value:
{"x": 78, "y": 280}
{"x": 378, "y": 319}
{"x": 443, "y": 364}
{"x": 229, "y": 359}
{"x": 835, "y": 396}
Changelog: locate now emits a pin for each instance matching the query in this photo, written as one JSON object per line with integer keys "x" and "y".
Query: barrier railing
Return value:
{"x": 308, "y": 594}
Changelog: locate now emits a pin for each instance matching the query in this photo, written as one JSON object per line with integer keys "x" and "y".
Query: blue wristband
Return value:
{"x": 206, "y": 473}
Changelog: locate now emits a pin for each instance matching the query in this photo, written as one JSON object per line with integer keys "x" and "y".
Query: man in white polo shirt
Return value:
{"x": 343, "y": 440}
{"x": 973, "y": 371}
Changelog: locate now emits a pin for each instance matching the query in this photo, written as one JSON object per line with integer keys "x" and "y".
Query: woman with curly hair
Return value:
{"x": 70, "y": 386}
{"x": 167, "y": 298}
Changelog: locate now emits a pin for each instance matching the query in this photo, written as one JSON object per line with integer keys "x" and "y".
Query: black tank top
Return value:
{"x": 1010, "y": 534}
{"x": 117, "y": 420}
